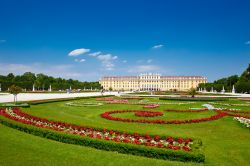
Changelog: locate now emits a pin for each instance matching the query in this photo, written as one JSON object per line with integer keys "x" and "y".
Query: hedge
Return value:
{"x": 150, "y": 152}
{"x": 193, "y": 99}
{"x": 23, "y": 105}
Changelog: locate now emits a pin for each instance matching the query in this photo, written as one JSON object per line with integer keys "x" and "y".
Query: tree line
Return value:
{"x": 241, "y": 83}
{"x": 43, "y": 82}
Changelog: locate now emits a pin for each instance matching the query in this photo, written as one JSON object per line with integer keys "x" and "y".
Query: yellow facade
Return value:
{"x": 148, "y": 82}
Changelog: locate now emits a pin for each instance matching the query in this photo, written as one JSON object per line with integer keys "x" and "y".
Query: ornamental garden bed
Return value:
{"x": 194, "y": 98}
{"x": 84, "y": 104}
{"x": 148, "y": 114}
{"x": 219, "y": 114}
{"x": 154, "y": 146}
{"x": 244, "y": 121}
{"x": 151, "y": 106}
{"x": 108, "y": 115}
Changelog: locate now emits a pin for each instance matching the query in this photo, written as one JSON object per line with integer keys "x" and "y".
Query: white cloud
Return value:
{"x": 157, "y": 46}
{"x": 82, "y": 60}
{"x": 78, "y": 52}
{"x": 109, "y": 66}
{"x": 124, "y": 61}
{"x": 144, "y": 68}
{"x": 107, "y": 61}
{"x": 149, "y": 60}
{"x": 106, "y": 57}
{"x": 247, "y": 42}
{"x": 94, "y": 54}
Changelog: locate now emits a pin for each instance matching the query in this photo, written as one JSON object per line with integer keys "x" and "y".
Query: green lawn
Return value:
{"x": 225, "y": 141}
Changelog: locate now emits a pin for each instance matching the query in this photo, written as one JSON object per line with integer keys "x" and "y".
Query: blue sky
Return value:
{"x": 88, "y": 39}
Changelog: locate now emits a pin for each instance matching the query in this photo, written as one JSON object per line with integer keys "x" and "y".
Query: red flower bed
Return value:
{"x": 148, "y": 113}
{"x": 105, "y": 99}
{"x": 104, "y": 134}
{"x": 234, "y": 111}
{"x": 108, "y": 115}
{"x": 238, "y": 115}
{"x": 201, "y": 110}
{"x": 151, "y": 106}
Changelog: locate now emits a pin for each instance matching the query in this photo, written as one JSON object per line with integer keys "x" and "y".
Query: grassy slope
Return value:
{"x": 225, "y": 141}
{"x": 18, "y": 148}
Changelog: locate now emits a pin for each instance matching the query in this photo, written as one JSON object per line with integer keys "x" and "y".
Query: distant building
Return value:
{"x": 149, "y": 81}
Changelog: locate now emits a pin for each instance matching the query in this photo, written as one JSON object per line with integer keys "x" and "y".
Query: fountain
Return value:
{"x": 233, "y": 90}
{"x": 223, "y": 90}
{"x": 50, "y": 88}
{"x": 33, "y": 89}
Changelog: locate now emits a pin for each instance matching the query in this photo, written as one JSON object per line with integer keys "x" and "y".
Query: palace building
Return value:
{"x": 151, "y": 82}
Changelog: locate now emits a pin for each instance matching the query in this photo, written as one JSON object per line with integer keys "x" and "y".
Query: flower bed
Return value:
{"x": 108, "y": 115}
{"x": 244, "y": 121}
{"x": 199, "y": 110}
{"x": 145, "y": 145}
{"x": 233, "y": 111}
{"x": 132, "y": 97}
{"x": 151, "y": 106}
{"x": 105, "y": 99}
{"x": 226, "y": 104}
{"x": 148, "y": 114}
{"x": 83, "y": 104}
{"x": 135, "y": 138}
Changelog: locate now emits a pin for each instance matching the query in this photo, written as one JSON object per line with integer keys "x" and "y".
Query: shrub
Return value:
{"x": 151, "y": 152}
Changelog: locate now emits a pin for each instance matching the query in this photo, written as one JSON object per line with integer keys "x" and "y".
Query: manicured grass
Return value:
{"x": 225, "y": 142}
{"x": 18, "y": 148}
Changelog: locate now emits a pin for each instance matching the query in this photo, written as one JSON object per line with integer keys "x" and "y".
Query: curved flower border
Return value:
{"x": 104, "y": 134}
{"x": 107, "y": 115}
{"x": 148, "y": 114}
{"x": 220, "y": 114}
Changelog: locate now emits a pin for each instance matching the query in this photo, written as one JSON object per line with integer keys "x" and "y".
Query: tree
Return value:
{"x": 15, "y": 90}
{"x": 192, "y": 92}
{"x": 110, "y": 88}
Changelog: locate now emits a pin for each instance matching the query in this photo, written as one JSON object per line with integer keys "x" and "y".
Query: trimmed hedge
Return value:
{"x": 193, "y": 99}
{"x": 23, "y": 105}
{"x": 150, "y": 152}
{"x": 35, "y": 102}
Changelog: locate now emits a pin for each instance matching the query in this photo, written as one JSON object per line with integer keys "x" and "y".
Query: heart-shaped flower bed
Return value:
{"x": 148, "y": 113}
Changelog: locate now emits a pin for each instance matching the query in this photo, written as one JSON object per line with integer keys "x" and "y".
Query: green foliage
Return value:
{"x": 150, "y": 152}
{"x": 192, "y": 92}
{"x": 42, "y": 82}
{"x": 15, "y": 90}
{"x": 242, "y": 83}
